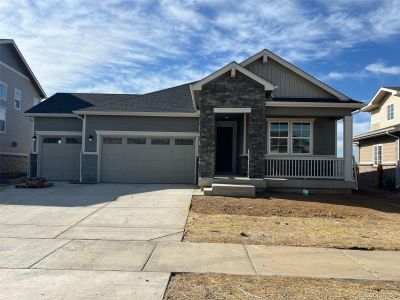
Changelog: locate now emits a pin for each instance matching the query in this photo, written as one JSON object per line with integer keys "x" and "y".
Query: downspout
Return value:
{"x": 80, "y": 156}
{"x": 398, "y": 158}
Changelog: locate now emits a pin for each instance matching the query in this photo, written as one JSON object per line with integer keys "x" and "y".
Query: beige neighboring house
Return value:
{"x": 19, "y": 91}
{"x": 379, "y": 148}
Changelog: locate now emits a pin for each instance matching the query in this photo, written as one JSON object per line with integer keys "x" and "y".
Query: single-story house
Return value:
{"x": 263, "y": 122}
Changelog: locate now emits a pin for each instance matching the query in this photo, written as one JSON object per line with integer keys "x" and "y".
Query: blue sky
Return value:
{"x": 118, "y": 46}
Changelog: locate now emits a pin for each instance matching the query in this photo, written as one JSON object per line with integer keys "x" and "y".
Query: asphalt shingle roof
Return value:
{"x": 175, "y": 99}
{"x": 67, "y": 102}
{"x": 397, "y": 88}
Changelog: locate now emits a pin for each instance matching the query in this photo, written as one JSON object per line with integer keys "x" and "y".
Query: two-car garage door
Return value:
{"x": 147, "y": 159}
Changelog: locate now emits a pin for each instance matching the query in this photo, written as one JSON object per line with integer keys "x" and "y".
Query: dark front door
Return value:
{"x": 224, "y": 149}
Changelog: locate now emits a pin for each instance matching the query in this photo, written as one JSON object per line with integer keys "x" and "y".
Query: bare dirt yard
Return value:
{"x": 221, "y": 286}
{"x": 356, "y": 221}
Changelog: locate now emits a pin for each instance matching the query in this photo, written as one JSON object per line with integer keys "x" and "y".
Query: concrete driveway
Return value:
{"x": 87, "y": 237}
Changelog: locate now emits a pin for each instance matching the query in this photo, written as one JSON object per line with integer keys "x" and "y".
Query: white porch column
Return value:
{"x": 348, "y": 147}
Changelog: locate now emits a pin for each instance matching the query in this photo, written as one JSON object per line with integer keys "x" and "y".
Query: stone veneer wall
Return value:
{"x": 227, "y": 91}
{"x": 243, "y": 165}
{"x": 89, "y": 168}
{"x": 13, "y": 165}
{"x": 33, "y": 165}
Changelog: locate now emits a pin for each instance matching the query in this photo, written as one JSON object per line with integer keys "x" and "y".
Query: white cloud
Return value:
{"x": 80, "y": 44}
{"x": 382, "y": 68}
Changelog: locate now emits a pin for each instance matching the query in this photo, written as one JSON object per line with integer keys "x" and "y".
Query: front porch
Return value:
{"x": 320, "y": 170}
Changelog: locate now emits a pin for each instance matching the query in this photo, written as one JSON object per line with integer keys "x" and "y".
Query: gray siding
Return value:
{"x": 324, "y": 136}
{"x": 19, "y": 128}
{"x": 124, "y": 123}
{"x": 275, "y": 112}
{"x": 57, "y": 124}
{"x": 289, "y": 83}
{"x": 9, "y": 56}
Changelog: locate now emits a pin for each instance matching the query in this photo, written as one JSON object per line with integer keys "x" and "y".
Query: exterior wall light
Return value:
{"x": 34, "y": 138}
{"x": 90, "y": 139}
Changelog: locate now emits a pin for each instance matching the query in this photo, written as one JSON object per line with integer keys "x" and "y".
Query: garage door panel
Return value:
{"x": 60, "y": 161}
{"x": 147, "y": 163}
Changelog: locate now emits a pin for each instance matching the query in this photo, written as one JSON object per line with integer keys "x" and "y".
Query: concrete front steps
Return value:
{"x": 230, "y": 190}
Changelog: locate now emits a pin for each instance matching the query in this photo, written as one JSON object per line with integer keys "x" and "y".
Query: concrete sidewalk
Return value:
{"x": 167, "y": 257}
{"x": 275, "y": 260}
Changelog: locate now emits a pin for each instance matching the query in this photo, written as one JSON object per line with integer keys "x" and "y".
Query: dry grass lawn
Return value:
{"x": 360, "y": 220}
{"x": 221, "y": 286}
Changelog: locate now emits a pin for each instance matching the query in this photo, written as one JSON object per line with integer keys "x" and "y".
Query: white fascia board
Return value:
{"x": 373, "y": 103}
{"x": 52, "y": 115}
{"x": 146, "y": 133}
{"x": 313, "y": 104}
{"x": 49, "y": 132}
{"x": 296, "y": 70}
{"x": 233, "y": 65}
{"x": 232, "y": 110}
{"x": 139, "y": 114}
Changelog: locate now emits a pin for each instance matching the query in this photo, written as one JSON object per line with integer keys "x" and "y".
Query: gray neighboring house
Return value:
{"x": 19, "y": 91}
{"x": 263, "y": 122}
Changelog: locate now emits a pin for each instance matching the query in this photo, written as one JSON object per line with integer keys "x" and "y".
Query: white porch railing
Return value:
{"x": 304, "y": 167}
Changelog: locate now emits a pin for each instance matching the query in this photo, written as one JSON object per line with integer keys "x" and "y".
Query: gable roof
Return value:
{"x": 265, "y": 54}
{"x": 32, "y": 76}
{"x": 171, "y": 100}
{"x": 233, "y": 67}
{"x": 380, "y": 94}
{"x": 66, "y": 103}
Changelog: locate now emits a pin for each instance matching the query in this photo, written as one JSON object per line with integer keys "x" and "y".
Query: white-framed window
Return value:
{"x": 377, "y": 154}
{"x": 290, "y": 137}
{"x": 390, "y": 112}
{"x": 301, "y": 137}
{"x": 36, "y": 101}
{"x": 3, "y": 91}
{"x": 17, "y": 98}
{"x": 279, "y": 137}
{"x": 2, "y": 119}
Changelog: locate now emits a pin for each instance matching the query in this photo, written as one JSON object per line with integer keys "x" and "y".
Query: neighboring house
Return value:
{"x": 262, "y": 120}
{"x": 19, "y": 90}
{"x": 378, "y": 161}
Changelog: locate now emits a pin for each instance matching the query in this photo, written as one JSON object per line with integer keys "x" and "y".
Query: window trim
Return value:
{"x": 373, "y": 154}
{"x": 20, "y": 100}
{"x": 5, "y": 119}
{"x": 5, "y": 84}
{"x": 287, "y": 138}
{"x": 390, "y": 113}
{"x": 290, "y": 137}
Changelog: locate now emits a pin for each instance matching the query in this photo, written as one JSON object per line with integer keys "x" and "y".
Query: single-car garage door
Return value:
{"x": 60, "y": 157}
{"x": 148, "y": 160}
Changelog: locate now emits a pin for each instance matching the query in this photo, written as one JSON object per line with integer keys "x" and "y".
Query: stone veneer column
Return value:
{"x": 256, "y": 143}
{"x": 207, "y": 143}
